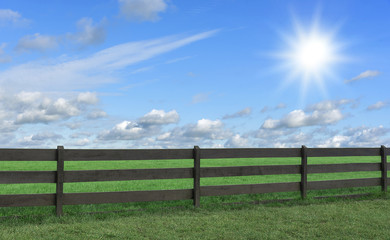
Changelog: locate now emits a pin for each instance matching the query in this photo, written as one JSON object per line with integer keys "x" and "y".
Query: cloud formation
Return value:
{"x": 201, "y": 131}
{"x": 159, "y": 117}
{"x": 377, "y": 106}
{"x": 277, "y": 107}
{"x": 142, "y": 10}
{"x": 37, "y": 107}
{"x": 366, "y": 74}
{"x": 237, "y": 141}
{"x": 92, "y": 71}
{"x": 244, "y": 112}
{"x": 148, "y": 125}
{"x": 322, "y": 113}
{"x": 10, "y": 17}
{"x": 298, "y": 118}
{"x": 358, "y": 137}
{"x": 37, "y": 42}
{"x": 3, "y": 57}
{"x": 88, "y": 33}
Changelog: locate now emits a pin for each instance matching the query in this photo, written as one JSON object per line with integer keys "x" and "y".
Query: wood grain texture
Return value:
{"x": 343, "y": 167}
{"x": 249, "y": 170}
{"x": 28, "y": 154}
{"x": 384, "y": 168}
{"x": 60, "y": 180}
{"x": 249, "y": 152}
{"x": 303, "y": 172}
{"x": 27, "y": 177}
{"x": 24, "y": 200}
{"x": 332, "y": 184}
{"x": 196, "y": 194}
{"x": 126, "y": 154}
{"x": 123, "y": 175}
{"x": 249, "y": 189}
{"x": 340, "y": 152}
{"x": 121, "y": 197}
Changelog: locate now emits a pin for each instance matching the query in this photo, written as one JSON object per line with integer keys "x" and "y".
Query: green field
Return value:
{"x": 174, "y": 183}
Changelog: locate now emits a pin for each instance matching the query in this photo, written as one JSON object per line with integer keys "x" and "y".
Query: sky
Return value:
{"x": 212, "y": 73}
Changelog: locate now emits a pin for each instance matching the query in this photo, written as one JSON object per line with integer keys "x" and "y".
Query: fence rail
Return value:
{"x": 60, "y": 155}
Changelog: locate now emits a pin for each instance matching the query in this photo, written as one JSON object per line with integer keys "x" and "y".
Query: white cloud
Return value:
{"x": 146, "y": 126}
{"x": 81, "y": 142}
{"x": 237, "y": 141}
{"x": 39, "y": 139}
{"x": 142, "y": 10}
{"x": 204, "y": 132}
{"x": 335, "y": 142}
{"x": 203, "y": 129}
{"x": 48, "y": 111}
{"x": 298, "y": 118}
{"x": 97, "y": 114}
{"x": 329, "y": 105}
{"x": 89, "y": 34}
{"x": 37, "y": 42}
{"x": 10, "y": 17}
{"x": 125, "y": 130}
{"x": 277, "y": 107}
{"x": 37, "y": 107}
{"x": 92, "y": 71}
{"x": 358, "y": 137}
{"x": 159, "y": 117}
{"x": 322, "y": 113}
{"x": 87, "y": 98}
{"x": 206, "y": 128}
{"x": 3, "y": 57}
{"x": 366, "y": 74}
{"x": 377, "y": 106}
{"x": 245, "y": 112}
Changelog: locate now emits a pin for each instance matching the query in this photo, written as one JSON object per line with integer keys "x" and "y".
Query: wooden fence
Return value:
{"x": 60, "y": 176}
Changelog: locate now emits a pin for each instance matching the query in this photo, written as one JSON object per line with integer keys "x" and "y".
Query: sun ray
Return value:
{"x": 310, "y": 57}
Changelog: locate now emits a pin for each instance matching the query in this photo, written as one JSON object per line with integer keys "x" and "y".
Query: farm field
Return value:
{"x": 137, "y": 185}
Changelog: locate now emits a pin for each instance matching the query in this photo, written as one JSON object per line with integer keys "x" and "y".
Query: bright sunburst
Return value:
{"x": 310, "y": 56}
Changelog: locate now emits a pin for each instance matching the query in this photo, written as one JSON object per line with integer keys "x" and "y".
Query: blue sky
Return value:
{"x": 174, "y": 74}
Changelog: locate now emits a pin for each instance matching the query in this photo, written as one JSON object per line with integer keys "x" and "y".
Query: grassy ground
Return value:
{"x": 175, "y": 183}
{"x": 340, "y": 219}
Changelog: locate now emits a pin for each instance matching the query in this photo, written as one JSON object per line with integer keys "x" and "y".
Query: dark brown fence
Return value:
{"x": 60, "y": 176}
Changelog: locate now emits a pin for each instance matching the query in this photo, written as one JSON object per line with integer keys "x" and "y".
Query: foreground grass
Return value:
{"x": 341, "y": 219}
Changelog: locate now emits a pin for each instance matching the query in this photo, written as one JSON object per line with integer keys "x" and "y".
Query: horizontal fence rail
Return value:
{"x": 60, "y": 176}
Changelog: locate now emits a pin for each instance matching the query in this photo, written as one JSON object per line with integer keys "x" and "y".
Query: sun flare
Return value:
{"x": 310, "y": 56}
{"x": 313, "y": 53}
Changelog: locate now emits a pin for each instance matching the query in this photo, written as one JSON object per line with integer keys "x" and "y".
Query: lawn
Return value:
{"x": 340, "y": 219}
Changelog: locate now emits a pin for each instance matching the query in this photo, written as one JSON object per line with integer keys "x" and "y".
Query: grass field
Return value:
{"x": 341, "y": 219}
{"x": 174, "y": 183}
{"x": 365, "y": 218}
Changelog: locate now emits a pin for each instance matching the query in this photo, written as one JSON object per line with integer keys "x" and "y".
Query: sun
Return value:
{"x": 312, "y": 53}
{"x": 309, "y": 57}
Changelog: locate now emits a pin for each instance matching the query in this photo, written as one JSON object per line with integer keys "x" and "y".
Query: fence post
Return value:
{"x": 303, "y": 172}
{"x": 60, "y": 180}
{"x": 384, "y": 168}
{"x": 196, "y": 176}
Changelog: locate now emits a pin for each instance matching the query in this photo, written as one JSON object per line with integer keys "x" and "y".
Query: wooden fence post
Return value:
{"x": 60, "y": 180}
{"x": 384, "y": 168}
{"x": 303, "y": 172}
{"x": 196, "y": 176}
